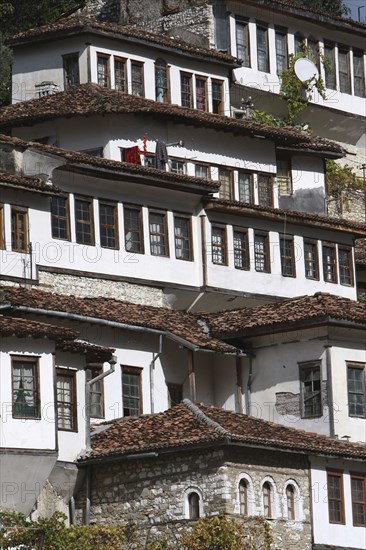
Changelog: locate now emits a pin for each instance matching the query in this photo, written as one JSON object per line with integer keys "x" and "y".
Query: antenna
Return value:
{"x": 305, "y": 69}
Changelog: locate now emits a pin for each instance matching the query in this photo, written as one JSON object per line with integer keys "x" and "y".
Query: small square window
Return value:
{"x": 311, "y": 395}
{"x": 66, "y": 400}
{"x": 25, "y": 384}
{"x": 131, "y": 391}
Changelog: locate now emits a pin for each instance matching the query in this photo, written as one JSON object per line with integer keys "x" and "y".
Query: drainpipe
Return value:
{"x": 112, "y": 363}
{"x": 239, "y": 385}
{"x": 191, "y": 376}
{"x": 328, "y": 360}
{"x": 152, "y": 368}
{"x": 204, "y": 251}
{"x": 72, "y": 510}
{"x": 249, "y": 387}
{"x": 88, "y": 494}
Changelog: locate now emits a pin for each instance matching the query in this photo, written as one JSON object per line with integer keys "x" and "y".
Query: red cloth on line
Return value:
{"x": 132, "y": 155}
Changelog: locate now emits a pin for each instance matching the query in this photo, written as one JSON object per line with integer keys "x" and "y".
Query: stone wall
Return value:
{"x": 152, "y": 493}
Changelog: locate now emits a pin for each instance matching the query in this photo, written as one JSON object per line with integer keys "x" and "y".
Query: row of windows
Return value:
{"x": 312, "y": 394}
{"x": 336, "y": 507}
{"x": 128, "y": 76}
{"x": 337, "y": 260}
{"x": 343, "y": 70}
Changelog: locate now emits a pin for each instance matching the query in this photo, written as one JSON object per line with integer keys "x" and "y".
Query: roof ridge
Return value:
{"x": 200, "y": 415}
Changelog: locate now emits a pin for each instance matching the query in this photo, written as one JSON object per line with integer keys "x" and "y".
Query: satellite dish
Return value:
{"x": 305, "y": 69}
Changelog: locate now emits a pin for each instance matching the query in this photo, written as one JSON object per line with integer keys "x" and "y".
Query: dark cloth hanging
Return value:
{"x": 161, "y": 155}
{"x": 132, "y": 155}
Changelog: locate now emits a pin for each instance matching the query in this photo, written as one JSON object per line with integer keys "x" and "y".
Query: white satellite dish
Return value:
{"x": 305, "y": 69}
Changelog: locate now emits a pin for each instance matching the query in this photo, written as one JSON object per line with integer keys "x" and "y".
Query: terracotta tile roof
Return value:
{"x": 187, "y": 425}
{"x": 36, "y": 185}
{"x": 159, "y": 177}
{"x": 318, "y": 308}
{"x": 360, "y": 252}
{"x": 179, "y": 324}
{"x": 78, "y": 23}
{"x": 290, "y": 216}
{"x": 92, "y": 100}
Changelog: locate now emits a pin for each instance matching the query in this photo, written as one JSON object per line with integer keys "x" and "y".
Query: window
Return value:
{"x": 134, "y": 241}
{"x": 186, "y": 90}
{"x": 225, "y": 179}
{"x": 137, "y": 79}
{"x": 25, "y": 387}
{"x": 120, "y": 74}
{"x": 287, "y": 257}
{"x": 358, "y": 495}
{"x": 242, "y": 43}
{"x": 311, "y": 260}
{"x": 218, "y": 243}
{"x": 310, "y": 385}
{"x": 290, "y": 502}
{"x": 241, "y": 250}
{"x": 217, "y": 97}
{"x": 201, "y": 93}
{"x": 356, "y": 389}
{"x": 345, "y": 266}
{"x": 158, "y": 234}
{"x": 335, "y": 497}
{"x": 329, "y": 67}
{"x": 161, "y": 81}
{"x": 202, "y": 171}
{"x": 60, "y": 218}
{"x": 19, "y": 230}
{"x": 246, "y": 187}
{"x": 358, "y": 74}
{"x": 96, "y": 394}
{"x": 131, "y": 389}
{"x": 2, "y": 240}
{"x": 194, "y": 505}
{"x": 177, "y": 166}
{"x": 108, "y": 225}
{"x": 261, "y": 253}
{"x": 183, "y": 238}
{"x": 262, "y": 49}
{"x": 66, "y": 400}
{"x": 71, "y": 70}
{"x": 175, "y": 394}
{"x": 84, "y": 221}
{"x": 281, "y": 50}
{"x": 265, "y": 191}
{"x": 243, "y": 497}
{"x": 344, "y": 71}
{"x": 267, "y": 497}
{"x": 283, "y": 178}
{"x": 313, "y": 51}
{"x": 329, "y": 263}
{"x": 103, "y": 70}
{"x": 300, "y": 43}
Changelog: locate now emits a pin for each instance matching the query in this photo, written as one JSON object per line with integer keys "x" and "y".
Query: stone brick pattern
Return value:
{"x": 151, "y": 493}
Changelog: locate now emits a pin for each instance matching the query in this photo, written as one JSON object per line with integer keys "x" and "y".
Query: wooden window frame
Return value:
{"x": 37, "y": 388}
{"x": 222, "y": 246}
{"x": 291, "y": 513}
{"x": 266, "y": 254}
{"x": 332, "y": 263}
{"x": 330, "y": 74}
{"x": 245, "y": 45}
{"x": 16, "y": 234}
{"x": 361, "y": 477}
{"x": 203, "y": 79}
{"x": 162, "y": 235}
{"x": 188, "y": 239}
{"x": 339, "y": 475}
{"x": 137, "y": 371}
{"x": 202, "y": 165}
{"x": 251, "y": 186}
{"x": 194, "y": 509}
{"x": 73, "y": 402}
{"x": 284, "y": 183}
{"x": 65, "y": 59}
{"x": 2, "y": 232}
{"x": 83, "y": 223}
{"x": 107, "y": 75}
{"x": 311, "y": 366}
{"x": 229, "y": 192}
{"x": 137, "y": 87}
{"x": 268, "y": 202}
{"x": 242, "y": 251}
{"x": 114, "y": 227}
{"x": 361, "y": 367}
{"x": 171, "y": 389}
{"x": 218, "y": 102}
{"x": 280, "y": 55}
{"x": 287, "y": 255}
{"x": 166, "y": 89}
{"x": 347, "y": 89}
{"x": 177, "y": 171}
{"x": 123, "y": 62}
{"x": 267, "y": 486}
{"x": 186, "y": 92}
{"x": 243, "y": 497}
{"x": 56, "y": 217}
{"x": 139, "y": 231}
{"x": 313, "y": 262}
{"x": 93, "y": 370}
{"x": 262, "y": 27}
{"x": 358, "y": 54}
{"x": 348, "y": 267}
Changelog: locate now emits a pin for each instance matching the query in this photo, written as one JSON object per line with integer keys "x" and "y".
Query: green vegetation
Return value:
{"x": 333, "y": 7}
{"x": 342, "y": 184}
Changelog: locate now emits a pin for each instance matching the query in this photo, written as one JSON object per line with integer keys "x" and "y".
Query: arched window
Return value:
{"x": 161, "y": 81}
{"x": 243, "y": 497}
{"x": 266, "y": 495}
{"x": 290, "y": 501}
{"x": 194, "y": 505}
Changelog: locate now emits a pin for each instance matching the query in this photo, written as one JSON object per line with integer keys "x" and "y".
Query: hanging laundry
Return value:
{"x": 161, "y": 155}
{"x": 132, "y": 155}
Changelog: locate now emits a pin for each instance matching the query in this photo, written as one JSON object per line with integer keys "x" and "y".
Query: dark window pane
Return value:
{"x": 133, "y": 230}
{"x": 108, "y": 225}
